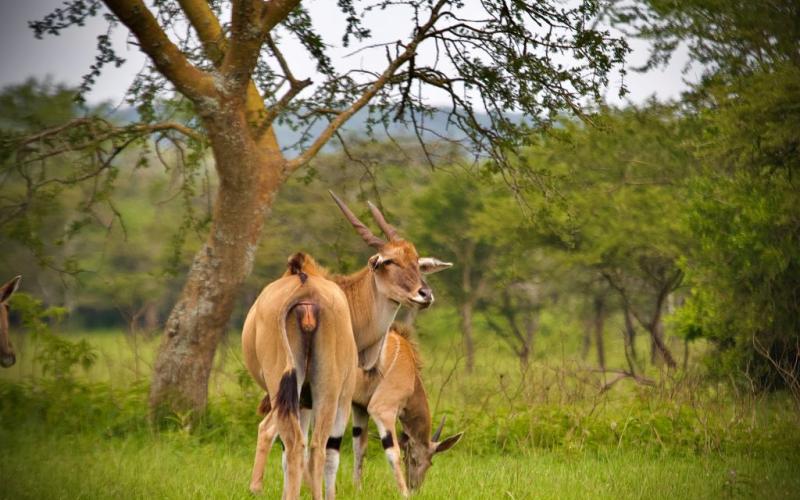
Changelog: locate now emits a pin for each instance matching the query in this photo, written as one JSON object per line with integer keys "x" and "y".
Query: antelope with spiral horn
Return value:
{"x": 393, "y": 277}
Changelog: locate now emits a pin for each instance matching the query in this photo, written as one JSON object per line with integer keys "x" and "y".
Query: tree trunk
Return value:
{"x": 531, "y": 325}
{"x": 685, "y": 354}
{"x": 599, "y": 320}
{"x": 630, "y": 333}
{"x": 660, "y": 351}
{"x": 586, "y": 345}
{"x": 249, "y": 176}
{"x": 466, "y": 333}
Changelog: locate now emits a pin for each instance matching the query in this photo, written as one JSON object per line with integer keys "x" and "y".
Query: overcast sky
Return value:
{"x": 67, "y": 57}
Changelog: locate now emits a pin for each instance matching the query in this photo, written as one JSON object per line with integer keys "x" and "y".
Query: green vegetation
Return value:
{"x": 622, "y": 319}
{"x": 544, "y": 433}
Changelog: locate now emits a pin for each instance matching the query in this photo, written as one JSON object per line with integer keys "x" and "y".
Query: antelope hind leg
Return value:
{"x": 267, "y": 430}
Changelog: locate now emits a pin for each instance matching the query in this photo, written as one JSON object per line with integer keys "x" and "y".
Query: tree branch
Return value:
{"x": 215, "y": 45}
{"x": 287, "y": 72}
{"x": 166, "y": 56}
{"x": 208, "y": 29}
{"x": 95, "y": 136}
{"x": 251, "y": 20}
{"x": 369, "y": 93}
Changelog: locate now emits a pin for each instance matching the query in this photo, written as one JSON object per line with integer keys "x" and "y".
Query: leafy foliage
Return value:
{"x": 746, "y": 264}
{"x": 727, "y": 38}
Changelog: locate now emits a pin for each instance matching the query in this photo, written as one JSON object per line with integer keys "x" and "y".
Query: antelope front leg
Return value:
{"x": 266, "y": 436}
{"x": 385, "y": 421}
{"x": 360, "y": 423}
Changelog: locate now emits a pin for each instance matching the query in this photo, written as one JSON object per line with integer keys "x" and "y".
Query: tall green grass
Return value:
{"x": 545, "y": 431}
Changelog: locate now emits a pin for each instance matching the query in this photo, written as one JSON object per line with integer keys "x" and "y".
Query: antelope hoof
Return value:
{"x": 256, "y": 488}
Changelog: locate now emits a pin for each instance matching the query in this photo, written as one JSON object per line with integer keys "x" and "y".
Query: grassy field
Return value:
{"x": 168, "y": 466}
{"x": 543, "y": 432}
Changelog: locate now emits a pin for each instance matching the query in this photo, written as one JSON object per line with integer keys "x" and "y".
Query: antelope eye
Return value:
{"x": 387, "y": 262}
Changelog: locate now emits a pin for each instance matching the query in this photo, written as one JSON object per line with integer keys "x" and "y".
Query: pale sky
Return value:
{"x": 67, "y": 57}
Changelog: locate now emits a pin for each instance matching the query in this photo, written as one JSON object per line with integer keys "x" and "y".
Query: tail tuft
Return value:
{"x": 296, "y": 262}
{"x": 288, "y": 400}
{"x": 303, "y": 265}
{"x": 265, "y": 406}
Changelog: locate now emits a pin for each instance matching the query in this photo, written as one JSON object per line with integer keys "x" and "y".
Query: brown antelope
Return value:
{"x": 316, "y": 351}
{"x": 392, "y": 277}
{"x": 7, "y": 356}
{"x": 390, "y": 390}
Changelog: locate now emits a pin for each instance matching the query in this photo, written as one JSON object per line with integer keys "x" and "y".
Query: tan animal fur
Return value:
{"x": 283, "y": 353}
{"x": 7, "y": 355}
{"x": 392, "y": 277}
{"x": 392, "y": 390}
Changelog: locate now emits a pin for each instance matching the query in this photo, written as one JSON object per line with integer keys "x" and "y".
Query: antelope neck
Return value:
{"x": 416, "y": 415}
{"x": 370, "y": 312}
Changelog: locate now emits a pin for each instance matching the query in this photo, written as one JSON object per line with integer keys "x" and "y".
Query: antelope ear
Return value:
{"x": 430, "y": 265}
{"x": 448, "y": 443}
{"x": 375, "y": 261}
{"x": 8, "y": 289}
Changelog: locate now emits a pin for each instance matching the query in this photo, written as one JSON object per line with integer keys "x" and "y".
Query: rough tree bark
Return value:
{"x": 199, "y": 318}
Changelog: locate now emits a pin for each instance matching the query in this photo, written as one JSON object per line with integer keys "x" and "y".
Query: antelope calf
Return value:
{"x": 394, "y": 389}
{"x": 316, "y": 350}
{"x": 7, "y": 356}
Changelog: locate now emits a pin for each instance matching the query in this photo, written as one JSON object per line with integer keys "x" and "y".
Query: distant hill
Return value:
{"x": 436, "y": 125}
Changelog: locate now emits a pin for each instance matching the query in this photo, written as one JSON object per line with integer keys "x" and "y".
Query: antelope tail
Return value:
{"x": 287, "y": 401}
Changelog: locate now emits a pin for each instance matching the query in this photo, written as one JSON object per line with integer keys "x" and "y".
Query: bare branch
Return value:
{"x": 97, "y": 131}
{"x": 370, "y": 91}
{"x": 166, "y": 56}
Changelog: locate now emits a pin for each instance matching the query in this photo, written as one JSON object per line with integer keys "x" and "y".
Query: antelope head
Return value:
{"x": 7, "y": 357}
{"x": 397, "y": 267}
{"x": 418, "y": 456}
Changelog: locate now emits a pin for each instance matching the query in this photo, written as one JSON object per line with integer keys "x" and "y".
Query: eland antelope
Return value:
{"x": 392, "y": 277}
{"x": 393, "y": 389}
{"x": 7, "y": 356}
{"x": 316, "y": 350}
